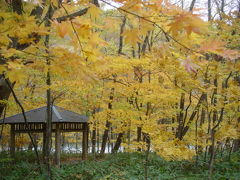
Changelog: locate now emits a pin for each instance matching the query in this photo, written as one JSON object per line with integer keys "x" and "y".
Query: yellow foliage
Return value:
{"x": 137, "y": 87}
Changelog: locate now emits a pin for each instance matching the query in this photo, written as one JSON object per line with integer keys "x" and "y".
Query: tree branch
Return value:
{"x": 167, "y": 35}
{"x": 25, "y": 120}
{"x": 73, "y": 15}
{"x": 76, "y": 14}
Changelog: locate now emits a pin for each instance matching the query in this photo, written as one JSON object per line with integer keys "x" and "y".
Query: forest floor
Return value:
{"x": 120, "y": 166}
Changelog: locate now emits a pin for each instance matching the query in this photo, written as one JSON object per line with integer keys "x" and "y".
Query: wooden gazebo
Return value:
{"x": 62, "y": 121}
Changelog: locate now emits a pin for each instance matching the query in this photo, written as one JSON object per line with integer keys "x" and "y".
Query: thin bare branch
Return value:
{"x": 154, "y": 24}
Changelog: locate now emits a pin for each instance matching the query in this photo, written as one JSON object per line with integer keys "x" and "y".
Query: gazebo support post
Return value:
{"x": 85, "y": 141}
{"x": 12, "y": 141}
{"x": 57, "y": 145}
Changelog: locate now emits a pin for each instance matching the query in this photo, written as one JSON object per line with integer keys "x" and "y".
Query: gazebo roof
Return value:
{"x": 59, "y": 115}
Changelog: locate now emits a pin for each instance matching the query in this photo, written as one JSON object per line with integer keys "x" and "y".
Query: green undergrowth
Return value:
{"x": 119, "y": 166}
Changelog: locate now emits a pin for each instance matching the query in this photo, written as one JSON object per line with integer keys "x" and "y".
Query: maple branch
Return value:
{"x": 3, "y": 120}
{"x": 186, "y": 110}
{"x": 73, "y": 15}
{"x": 219, "y": 120}
{"x": 179, "y": 86}
{"x": 225, "y": 85}
{"x": 121, "y": 36}
{"x": 117, "y": 81}
{"x": 56, "y": 97}
{"x": 25, "y": 120}
{"x": 167, "y": 35}
{"x": 74, "y": 30}
{"x": 36, "y": 55}
{"x": 194, "y": 113}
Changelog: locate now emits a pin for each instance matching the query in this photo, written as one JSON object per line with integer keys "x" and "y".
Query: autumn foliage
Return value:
{"x": 158, "y": 77}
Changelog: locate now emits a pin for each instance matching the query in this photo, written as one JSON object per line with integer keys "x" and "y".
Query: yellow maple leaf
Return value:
{"x": 55, "y": 2}
{"x": 2, "y": 69}
{"x": 214, "y": 46}
{"x": 145, "y": 27}
{"x": 218, "y": 47}
{"x": 230, "y": 54}
{"x": 131, "y": 36}
{"x": 62, "y": 28}
{"x": 188, "y": 22}
{"x": 94, "y": 11}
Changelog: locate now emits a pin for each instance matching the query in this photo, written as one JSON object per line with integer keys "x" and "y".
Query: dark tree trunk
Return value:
{"x": 194, "y": 113}
{"x": 209, "y": 10}
{"x": 236, "y": 145}
{"x": 105, "y": 137}
{"x": 203, "y": 116}
{"x": 17, "y": 6}
{"x": 222, "y": 6}
{"x": 192, "y": 5}
{"x": 121, "y": 37}
{"x": 145, "y": 43}
{"x": 180, "y": 117}
{"x": 48, "y": 132}
{"x": 118, "y": 143}
{"x": 148, "y": 144}
{"x": 96, "y": 3}
{"x": 98, "y": 140}
{"x": 108, "y": 125}
{"x": 139, "y": 136}
{"x": 94, "y": 136}
{"x": 236, "y": 142}
{"x": 4, "y": 92}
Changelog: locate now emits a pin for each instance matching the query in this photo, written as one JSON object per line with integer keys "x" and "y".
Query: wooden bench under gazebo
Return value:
{"x": 62, "y": 121}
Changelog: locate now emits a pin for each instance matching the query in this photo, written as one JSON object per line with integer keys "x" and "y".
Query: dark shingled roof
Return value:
{"x": 39, "y": 116}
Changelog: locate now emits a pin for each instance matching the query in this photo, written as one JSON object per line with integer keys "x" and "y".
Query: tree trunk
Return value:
{"x": 145, "y": 43}
{"x": 192, "y": 5}
{"x": 148, "y": 144}
{"x": 180, "y": 117}
{"x": 98, "y": 140}
{"x": 222, "y": 6}
{"x": 194, "y": 113}
{"x": 121, "y": 37}
{"x": 48, "y": 132}
{"x": 108, "y": 125}
{"x": 209, "y": 10}
{"x": 5, "y": 92}
{"x": 212, "y": 152}
{"x": 105, "y": 137}
{"x": 118, "y": 143}
{"x": 139, "y": 136}
{"x": 94, "y": 136}
{"x": 236, "y": 145}
{"x": 17, "y": 6}
{"x": 236, "y": 142}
